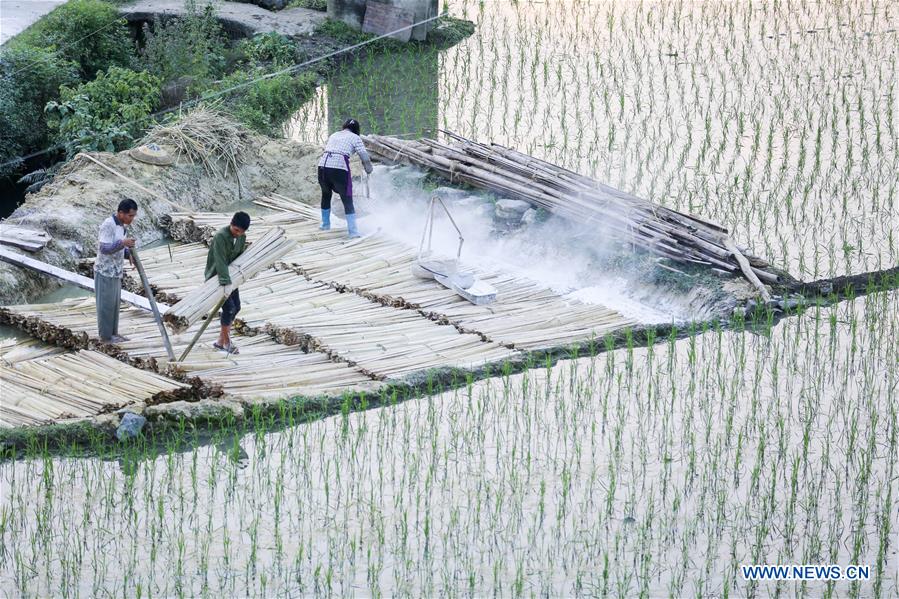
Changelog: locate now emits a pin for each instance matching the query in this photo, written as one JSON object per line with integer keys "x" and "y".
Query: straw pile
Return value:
{"x": 258, "y": 256}
{"x": 626, "y": 218}
{"x": 79, "y": 384}
{"x": 204, "y": 137}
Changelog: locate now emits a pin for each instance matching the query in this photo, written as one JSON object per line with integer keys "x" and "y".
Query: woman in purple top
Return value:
{"x": 334, "y": 173}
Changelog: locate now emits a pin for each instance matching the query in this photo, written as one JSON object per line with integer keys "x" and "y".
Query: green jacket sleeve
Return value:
{"x": 220, "y": 259}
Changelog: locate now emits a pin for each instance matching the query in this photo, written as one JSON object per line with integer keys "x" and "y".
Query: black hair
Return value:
{"x": 352, "y": 125}
{"x": 127, "y": 205}
{"x": 241, "y": 219}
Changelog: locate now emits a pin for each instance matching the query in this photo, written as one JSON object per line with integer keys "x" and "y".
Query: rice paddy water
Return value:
{"x": 638, "y": 471}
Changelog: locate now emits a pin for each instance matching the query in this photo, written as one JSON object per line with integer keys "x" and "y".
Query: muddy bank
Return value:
{"x": 83, "y": 194}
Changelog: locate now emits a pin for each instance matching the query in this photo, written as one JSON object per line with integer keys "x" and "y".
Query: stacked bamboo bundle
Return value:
{"x": 383, "y": 342}
{"x": 75, "y": 385}
{"x": 201, "y": 226}
{"x": 655, "y": 229}
{"x": 258, "y": 256}
{"x": 379, "y": 269}
{"x": 72, "y": 323}
{"x": 13, "y": 351}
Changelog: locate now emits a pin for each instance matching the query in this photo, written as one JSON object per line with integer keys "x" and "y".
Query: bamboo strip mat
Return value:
{"x": 245, "y": 375}
{"x": 76, "y": 384}
{"x": 13, "y": 351}
{"x": 525, "y": 315}
{"x": 384, "y": 342}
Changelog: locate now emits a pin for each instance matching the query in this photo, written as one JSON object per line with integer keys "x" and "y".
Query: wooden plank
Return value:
{"x": 381, "y": 19}
{"x": 21, "y": 237}
{"x": 71, "y": 277}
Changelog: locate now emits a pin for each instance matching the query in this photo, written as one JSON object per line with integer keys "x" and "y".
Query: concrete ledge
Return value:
{"x": 237, "y": 18}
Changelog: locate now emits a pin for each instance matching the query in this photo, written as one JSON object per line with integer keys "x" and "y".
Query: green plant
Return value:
{"x": 269, "y": 48}
{"x": 191, "y": 46}
{"x": 90, "y": 33}
{"x": 321, "y": 5}
{"x": 263, "y": 105}
{"x": 29, "y": 78}
{"x": 106, "y": 113}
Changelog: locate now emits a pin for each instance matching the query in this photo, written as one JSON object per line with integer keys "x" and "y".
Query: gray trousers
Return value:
{"x": 109, "y": 295}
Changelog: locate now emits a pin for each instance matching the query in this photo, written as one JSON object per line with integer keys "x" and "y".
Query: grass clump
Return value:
{"x": 264, "y": 105}
{"x": 321, "y": 5}
{"x": 192, "y": 46}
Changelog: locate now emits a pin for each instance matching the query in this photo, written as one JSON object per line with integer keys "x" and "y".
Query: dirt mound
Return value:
{"x": 83, "y": 194}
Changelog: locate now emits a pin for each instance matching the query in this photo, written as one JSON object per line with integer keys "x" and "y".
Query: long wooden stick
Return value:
{"x": 202, "y": 328}
{"x": 747, "y": 269}
{"x": 156, "y": 315}
{"x": 70, "y": 277}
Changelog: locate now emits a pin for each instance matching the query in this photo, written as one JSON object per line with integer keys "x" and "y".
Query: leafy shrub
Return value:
{"x": 264, "y": 105}
{"x": 104, "y": 114}
{"x": 269, "y": 48}
{"x": 29, "y": 78}
{"x": 190, "y": 46}
{"x": 321, "y": 5}
{"x": 90, "y": 33}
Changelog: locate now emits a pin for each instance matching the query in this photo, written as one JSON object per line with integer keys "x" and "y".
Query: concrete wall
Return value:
{"x": 352, "y": 12}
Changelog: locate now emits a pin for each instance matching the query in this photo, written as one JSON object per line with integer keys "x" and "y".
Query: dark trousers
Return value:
{"x": 335, "y": 179}
{"x": 230, "y": 308}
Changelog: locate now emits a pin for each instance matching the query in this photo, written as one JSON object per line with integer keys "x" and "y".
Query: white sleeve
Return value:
{"x": 107, "y": 232}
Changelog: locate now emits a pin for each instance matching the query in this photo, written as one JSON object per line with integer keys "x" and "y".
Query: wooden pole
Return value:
{"x": 747, "y": 269}
{"x": 202, "y": 328}
{"x": 70, "y": 277}
{"x": 152, "y": 300}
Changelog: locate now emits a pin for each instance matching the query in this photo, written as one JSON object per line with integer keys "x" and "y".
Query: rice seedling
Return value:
{"x": 652, "y": 469}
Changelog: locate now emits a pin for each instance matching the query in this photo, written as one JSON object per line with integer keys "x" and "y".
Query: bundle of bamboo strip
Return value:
{"x": 261, "y": 366}
{"x": 378, "y": 269}
{"x": 653, "y": 228}
{"x": 258, "y": 256}
{"x": 77, "y": 384}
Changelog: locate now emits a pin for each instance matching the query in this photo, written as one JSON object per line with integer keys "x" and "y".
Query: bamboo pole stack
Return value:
{"x": 262, "y": 365}
{"x": 626, "y": 218}
{"x": 77, "y": 384}
{"x": 257, "y": 257}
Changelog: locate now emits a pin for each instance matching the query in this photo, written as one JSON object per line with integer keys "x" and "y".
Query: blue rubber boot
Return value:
{"x": 326, "y": 220}
{"x": 351, "y": 226}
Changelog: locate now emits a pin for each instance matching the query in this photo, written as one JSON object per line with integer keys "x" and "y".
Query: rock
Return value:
{"x": 130, "y": 426}
{"x": 529, "y": 217}
{"x": 204, "y": 410}
{"x": 511, "y": 209}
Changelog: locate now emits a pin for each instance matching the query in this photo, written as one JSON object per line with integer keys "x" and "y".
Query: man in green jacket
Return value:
{"x": 229, "y": 243}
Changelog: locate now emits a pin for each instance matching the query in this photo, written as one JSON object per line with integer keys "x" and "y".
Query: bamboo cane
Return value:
{"x": 152, "y": 300}
{"x": 203, "y": 326}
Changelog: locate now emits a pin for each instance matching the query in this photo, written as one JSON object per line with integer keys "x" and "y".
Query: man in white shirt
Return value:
{"x": 334, "y": 173}
{"x": 113, "y": 248}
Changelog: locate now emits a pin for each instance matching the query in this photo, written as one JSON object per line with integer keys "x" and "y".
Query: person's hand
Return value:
{"x": 128, "y": 242}
{"x": 226, "y": 290}
{"x": 368, "y": 170}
